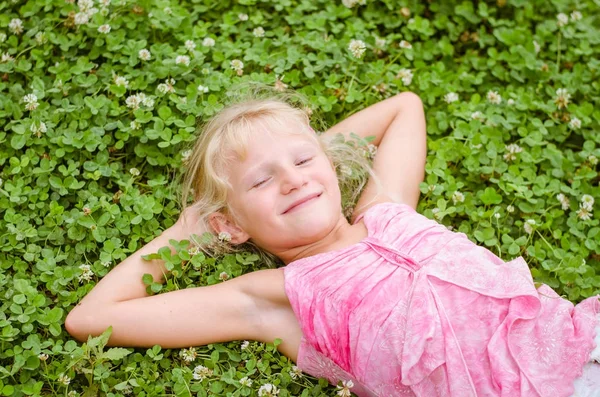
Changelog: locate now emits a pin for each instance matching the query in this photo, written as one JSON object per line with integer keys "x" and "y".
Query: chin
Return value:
{"x": 315, "y": 228}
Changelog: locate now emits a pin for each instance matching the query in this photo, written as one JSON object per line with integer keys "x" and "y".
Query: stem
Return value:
{"x": 352, "y": 80}
{"x": 558, "y": 57}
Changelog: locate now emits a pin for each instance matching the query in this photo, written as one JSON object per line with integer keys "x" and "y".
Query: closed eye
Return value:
{"x": 304, "y": 161}
{"x": 261, "y": 182}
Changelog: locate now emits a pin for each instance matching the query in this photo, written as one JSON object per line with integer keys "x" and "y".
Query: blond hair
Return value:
{"x": 224, "y": 138}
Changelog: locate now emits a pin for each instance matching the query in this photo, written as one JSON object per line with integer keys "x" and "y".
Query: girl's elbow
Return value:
{"x": 77, "y": 325}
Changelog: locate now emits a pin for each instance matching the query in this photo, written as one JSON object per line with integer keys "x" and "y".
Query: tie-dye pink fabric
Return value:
{"x": 417, "y": 310}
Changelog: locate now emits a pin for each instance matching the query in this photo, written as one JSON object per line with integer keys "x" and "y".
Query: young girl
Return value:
{"x": 391, "y": 303}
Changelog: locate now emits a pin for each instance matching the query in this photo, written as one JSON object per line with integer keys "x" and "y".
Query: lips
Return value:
{"x": 301, "y": 201}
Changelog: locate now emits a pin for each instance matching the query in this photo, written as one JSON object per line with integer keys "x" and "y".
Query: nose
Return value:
{"x": 292, "y": 178}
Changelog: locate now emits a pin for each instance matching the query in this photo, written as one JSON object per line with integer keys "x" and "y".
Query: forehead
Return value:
{"x": 262, "y": 134}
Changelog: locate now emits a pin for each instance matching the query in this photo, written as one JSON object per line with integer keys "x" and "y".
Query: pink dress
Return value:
{"x": 417, "y": 310}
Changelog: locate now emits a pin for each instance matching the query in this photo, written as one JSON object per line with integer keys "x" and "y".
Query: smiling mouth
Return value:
{"x": 302, "y": 203}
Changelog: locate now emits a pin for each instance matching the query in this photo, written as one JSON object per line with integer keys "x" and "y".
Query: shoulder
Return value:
{"x": 266, "y": 287}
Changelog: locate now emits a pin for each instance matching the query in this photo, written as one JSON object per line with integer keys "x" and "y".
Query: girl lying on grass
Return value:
{"x": 390, "y": 304}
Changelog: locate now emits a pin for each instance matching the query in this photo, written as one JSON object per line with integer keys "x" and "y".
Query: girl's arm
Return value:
{"x": 398, "y": 124}
{"x": 190, "y": 317}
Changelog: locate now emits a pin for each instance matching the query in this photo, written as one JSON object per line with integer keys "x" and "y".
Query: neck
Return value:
{"x": 341, "y": 236}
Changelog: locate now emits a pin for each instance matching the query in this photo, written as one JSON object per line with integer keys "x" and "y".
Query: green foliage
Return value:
{"x": 87, "y": 167}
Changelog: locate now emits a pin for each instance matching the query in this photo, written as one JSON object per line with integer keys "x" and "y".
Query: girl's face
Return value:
{"x": 285, "y": 192}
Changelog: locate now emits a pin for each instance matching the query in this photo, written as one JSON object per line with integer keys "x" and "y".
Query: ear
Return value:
{"x": 221, "y": 223}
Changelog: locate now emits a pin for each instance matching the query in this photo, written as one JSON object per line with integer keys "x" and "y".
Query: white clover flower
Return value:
{"x": 64, "y": 379}
{"x": 592, "y": 159}
{"x": 6, "y": 58}
{"x": 436, "y": 212}
{"x": 134, "y": 171}
{"x": 188, "y": 355}
{"x": 16, "y": 26}
{"x": 147, "y": 101}
{"x": 268, "y": 390}
{"x": 528, "y": 226}
{"x": 510, "y": 102}
{"x": 38, "y": 129}
{"x": 562, "y": 19}
{"x": 494, "y": 97}
{"x": 245, "y": 345}
{"x": 105, "y": 3}
{"x": 536, "y": 47}
{"x": 202, "y": 89}
{"x": 243, "y": 17}
{"x": 186, "y": 155}
{"x": 405, "y": 44}
{"x": 406, "y": 75}
{"x": 208, "y": 42}
{"x": 144, "y": 55}
{"x": 40, "y": 38}
{"x": 2, "y": 37}
{"x": 120, "y": 81}
{"x": 431, "y": 188}
{"x": 379, "y": 42}
{"x": 258, "y": 32}
{"x": 182, "y": 60}
{"x": 107, "y": 263}
{"x": 224, "y": 236}
{"x": 587, "y": 202}
{"x": 295, "y": 372}
{"x": 201, "y": 372}
{"x": 81, "y": 18}
{"x": 1, "y": 181}
{"x": 510, "y": 209}
{"x": 349, "y": 3}
{"x": 562, "y": 98}
{"x": 372, "y": 149}
{"x": 85, "y": 5}
{"x": 575, "y": 123}
{"x": 344, "y": 389}
{"x": 279, "y": 84}
{"x": 92, "y": 11}
{"x": 345, "y": 170}
{"x": 237, "y": 65}
{"x": 223, "y": 276}
{"x": 43, "y": 356}
{"x": 512, "y": 150}
{"x": 134, "y": 125}
{"x": 564, "y": 201}
{"x": 87, "y": 273}
{"x": 458, "y": 197}
{"x": 584, "y": 213}
{"x": 162, "y": 88}
{"x": 451, "y": 97}
{"x": 477, "y": 116}
{"x": 167, "y": 10}
{"x": 133, "y": 101}
{"x": 105, "y": 29}
{"x": 576, "y": 16}
{"x": 497, "y": 215}
{"x": 195, "y": 250}
{"x": 190, "y": 45}
{"x": 245, "y": 381}
{"x": 31, "y": 102}
{"x": 357, "y": 48}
